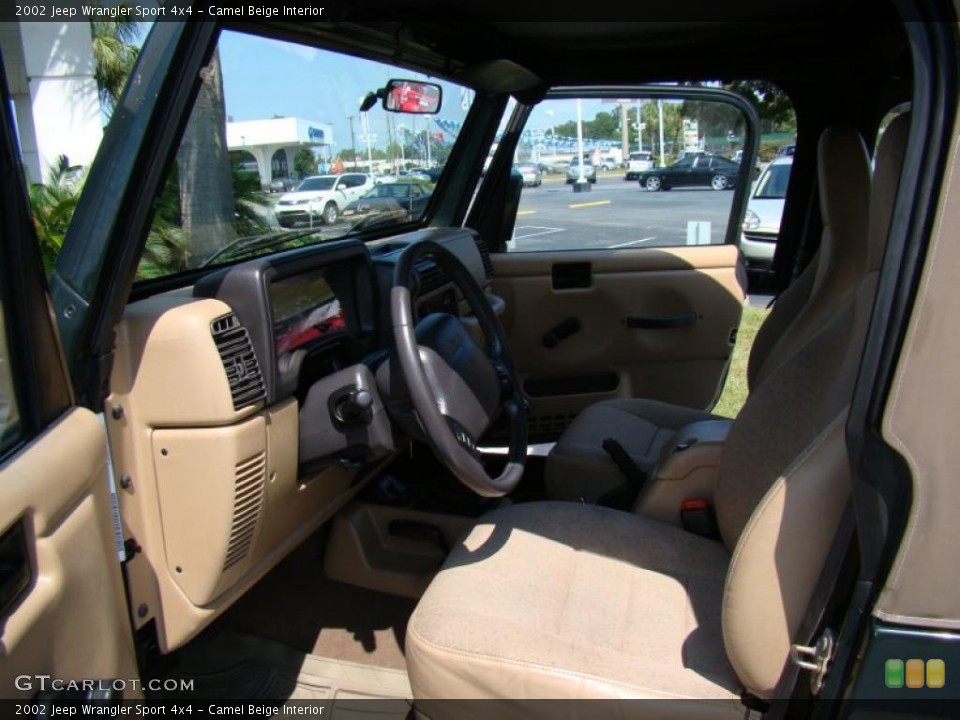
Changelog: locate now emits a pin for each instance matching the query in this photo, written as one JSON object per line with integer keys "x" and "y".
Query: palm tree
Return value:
{"x": 114, "y": 54}
{"x": 52, "y": 205}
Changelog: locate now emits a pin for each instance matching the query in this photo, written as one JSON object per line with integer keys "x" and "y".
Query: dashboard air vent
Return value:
{"x": 247, "y": 502}
{"x": 485, "y": 256}
{"x": 239, "y": 361}
{"x": 431, "y": 276}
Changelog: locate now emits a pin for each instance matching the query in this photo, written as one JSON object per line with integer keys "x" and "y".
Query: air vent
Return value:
{"x": 431, "y": 276}
{"x": 485, "y": 256}
{"x": 239, "y": 361}
{"x": 247, "y": 502}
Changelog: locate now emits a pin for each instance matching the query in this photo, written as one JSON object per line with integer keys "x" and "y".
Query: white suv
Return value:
{"x": 639, "y": 162}
{"x": 320, "y": 198}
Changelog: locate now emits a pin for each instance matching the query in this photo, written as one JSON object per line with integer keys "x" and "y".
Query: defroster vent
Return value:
{"x": 239, "y": 361}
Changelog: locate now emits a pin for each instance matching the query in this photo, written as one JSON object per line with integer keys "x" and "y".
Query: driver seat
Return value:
{"x": 568, "y": 601}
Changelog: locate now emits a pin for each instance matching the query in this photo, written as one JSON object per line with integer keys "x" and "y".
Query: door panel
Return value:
{"x": 71, "y": 623}
{"x": 684, "y": 304}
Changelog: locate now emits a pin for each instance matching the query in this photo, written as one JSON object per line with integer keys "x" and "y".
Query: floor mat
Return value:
{"x": 231, "y": 666}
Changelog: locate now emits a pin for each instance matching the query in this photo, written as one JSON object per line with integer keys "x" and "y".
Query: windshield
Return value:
{"x": 320, "y": 183}
{"x": 269, "y": 113}
{"x": 773, "y": 184}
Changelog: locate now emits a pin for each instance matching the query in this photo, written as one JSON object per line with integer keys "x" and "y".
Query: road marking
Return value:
{"x": 590, "y": 204}
{"x": 633, "y": 242}
{"x": 526, "y": 212}
{"x": 543, "y": 231}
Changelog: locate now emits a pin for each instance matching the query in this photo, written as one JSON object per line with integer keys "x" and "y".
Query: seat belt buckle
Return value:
{"x": 697, "y": 517}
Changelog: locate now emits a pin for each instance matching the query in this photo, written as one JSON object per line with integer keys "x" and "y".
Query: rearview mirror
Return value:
{"x": 412, "y": 97}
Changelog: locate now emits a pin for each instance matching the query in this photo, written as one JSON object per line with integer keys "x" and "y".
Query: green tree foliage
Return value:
{"x": 773, "y": 105}
{"x": 114, "y": 54}
{"x": 604, "y": 126}
{"x": 52, "y": 205}
{"x": 304, "y": 162}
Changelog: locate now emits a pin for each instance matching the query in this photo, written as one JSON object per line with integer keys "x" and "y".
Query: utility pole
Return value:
{"x": 353, "y": 143}
{"x": 663, "y": 161}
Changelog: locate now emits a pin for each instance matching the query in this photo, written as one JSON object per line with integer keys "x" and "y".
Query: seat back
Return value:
{"x": 844, "y": 181}
{"x": 784, "y": 476}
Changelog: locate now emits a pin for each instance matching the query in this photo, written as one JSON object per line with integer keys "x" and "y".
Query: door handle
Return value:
{"x": 15, "y": 570}
{"x": 688, "y": 319}
{"x": 561, "y": 332}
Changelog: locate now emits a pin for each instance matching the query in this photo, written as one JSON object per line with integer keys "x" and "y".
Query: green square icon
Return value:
{"x": 893, "y": 673}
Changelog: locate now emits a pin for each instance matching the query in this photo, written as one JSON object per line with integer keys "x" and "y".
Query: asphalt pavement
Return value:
{"x": 618, "y": 213}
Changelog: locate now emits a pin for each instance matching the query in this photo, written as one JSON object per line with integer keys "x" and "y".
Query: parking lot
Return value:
{"x": 617, "y": 213}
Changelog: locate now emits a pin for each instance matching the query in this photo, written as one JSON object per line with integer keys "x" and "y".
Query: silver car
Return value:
{"x": 761, "y": 222}
{"x": 573, "y": 171}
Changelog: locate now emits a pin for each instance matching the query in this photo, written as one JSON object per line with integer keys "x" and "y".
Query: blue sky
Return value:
{"x": 266, "y": 77}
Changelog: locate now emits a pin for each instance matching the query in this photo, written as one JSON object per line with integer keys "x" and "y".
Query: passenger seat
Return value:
{"x": 579, "y": 469}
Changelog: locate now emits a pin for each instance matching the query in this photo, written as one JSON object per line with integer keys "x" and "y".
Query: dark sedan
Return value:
{"x": 389, "y": 202}
{"x": 700, "y": 170}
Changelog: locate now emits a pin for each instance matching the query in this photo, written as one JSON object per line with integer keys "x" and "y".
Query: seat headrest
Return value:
{"x": 844, "y": 168}
{"x": 888, "y": 162}
{"x": 844, "y": 176}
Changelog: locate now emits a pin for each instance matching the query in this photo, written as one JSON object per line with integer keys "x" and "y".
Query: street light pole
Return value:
{"x": 427, "y": 132}
{"x": 663, "y": 161}
{"x": 353, "y": 143}
{"x": 582, "y": 179}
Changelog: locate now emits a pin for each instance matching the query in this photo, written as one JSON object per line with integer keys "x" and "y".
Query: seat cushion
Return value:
{"x": 579, "y": 469}
{"x": 564, "y": 600}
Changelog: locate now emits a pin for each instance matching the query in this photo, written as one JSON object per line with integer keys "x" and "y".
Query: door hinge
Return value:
{"x": 816, "y": 659}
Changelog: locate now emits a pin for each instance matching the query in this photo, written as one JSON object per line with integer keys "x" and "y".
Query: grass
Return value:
{"x": 735, "y": 390}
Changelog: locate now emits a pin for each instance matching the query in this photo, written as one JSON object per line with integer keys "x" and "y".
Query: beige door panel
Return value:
{"x": 682, "y": 365}
{"x": 72, "y": 623}
{"x": 214, "y": 499}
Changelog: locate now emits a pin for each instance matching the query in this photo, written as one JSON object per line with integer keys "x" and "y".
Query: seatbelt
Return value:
{"x": 817, "y": 658}
{"x": 622, "y": 496}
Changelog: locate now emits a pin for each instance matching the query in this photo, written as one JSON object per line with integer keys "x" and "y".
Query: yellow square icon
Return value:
{"x": 936, "y": 673}
{"x": 914, "y": 673}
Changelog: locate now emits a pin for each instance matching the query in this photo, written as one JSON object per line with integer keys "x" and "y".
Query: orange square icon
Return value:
{"x": 915, "y": 673}
{"x": 936, "y": 673}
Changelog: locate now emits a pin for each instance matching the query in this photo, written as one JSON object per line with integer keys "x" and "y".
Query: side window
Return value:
{"x": 640, "y": 191}
{"x": 260, "y": 157}
{"x": 9, "y": 411}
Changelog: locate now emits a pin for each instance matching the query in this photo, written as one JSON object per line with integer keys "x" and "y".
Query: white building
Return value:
{"x": 50, "y": 73}
{"x": 272, "y": 144}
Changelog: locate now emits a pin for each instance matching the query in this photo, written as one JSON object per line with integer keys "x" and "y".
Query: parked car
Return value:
{"x": 532, "y": 176}
{"x": 638, "y": 162}
{"x": 761, "y": 222}
{"x": 320, "y": 198}
{"x": 389, "y": 202}
{"x": 418, "y": 173}
{"x": 573, "y": 171}
{"x": 284, "y": 184}
{"x": 609, "y": 162}
{"x": 697, "y": 170}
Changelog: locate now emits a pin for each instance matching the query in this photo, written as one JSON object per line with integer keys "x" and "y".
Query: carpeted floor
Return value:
{"x": 296, "y": 606}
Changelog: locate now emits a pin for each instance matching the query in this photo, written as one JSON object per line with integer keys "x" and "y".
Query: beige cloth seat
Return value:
{"x": 557, "y": 600}
{"x": 579, "y": 469}
{"x": 563, "y": 600}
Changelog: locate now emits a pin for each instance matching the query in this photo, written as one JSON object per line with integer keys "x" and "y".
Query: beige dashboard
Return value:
{"x": 209, "y": 496}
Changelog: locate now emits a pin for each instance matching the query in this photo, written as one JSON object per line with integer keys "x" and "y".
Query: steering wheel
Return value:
{"x": 456, "y": 387}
